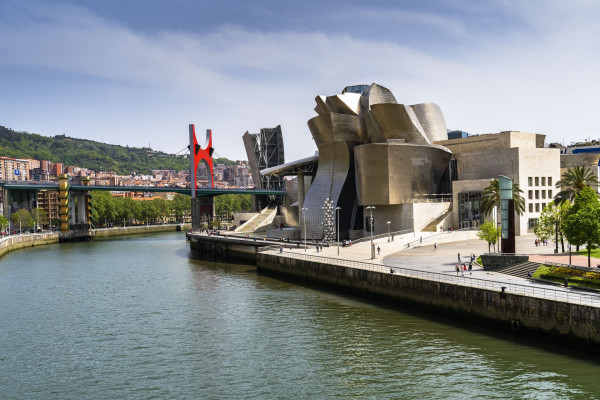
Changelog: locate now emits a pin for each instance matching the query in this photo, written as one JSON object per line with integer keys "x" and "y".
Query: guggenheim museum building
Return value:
{"x": 383, "y": 166}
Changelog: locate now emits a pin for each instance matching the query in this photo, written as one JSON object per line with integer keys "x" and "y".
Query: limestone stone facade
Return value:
{"x": 517, "y": 155}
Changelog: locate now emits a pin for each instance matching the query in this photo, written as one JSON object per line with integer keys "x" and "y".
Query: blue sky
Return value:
{"x": 138, "y": 72}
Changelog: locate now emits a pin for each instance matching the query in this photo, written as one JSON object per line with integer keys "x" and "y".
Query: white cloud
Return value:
{"x": 148, "y": 87}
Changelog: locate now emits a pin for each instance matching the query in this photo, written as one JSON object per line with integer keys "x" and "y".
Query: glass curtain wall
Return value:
{"x": 469, "y": 215}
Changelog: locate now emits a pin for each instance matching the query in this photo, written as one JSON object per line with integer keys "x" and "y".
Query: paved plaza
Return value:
{"x": 442, "y": 259}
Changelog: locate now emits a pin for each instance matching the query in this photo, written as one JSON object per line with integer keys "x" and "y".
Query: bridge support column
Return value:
{"x": 63, "y": 200}
{"x": 196, "y": 213}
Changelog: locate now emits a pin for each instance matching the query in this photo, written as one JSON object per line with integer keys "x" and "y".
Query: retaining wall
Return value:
{"x": 15, "y": 242}
{"x": 138, "y": 230}
{"x": 572, "y": 324}
{"x": 493, "y": 261}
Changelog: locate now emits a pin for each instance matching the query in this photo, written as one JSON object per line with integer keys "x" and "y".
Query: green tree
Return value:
{"x": 3, "y": 223}
{"x": 489, "y": 233}
{"x": 181, "y": 205}
{"x": 490, "y": 198}
{"x": 40, "y": 216}
{"x": 22, "y": 219}
{"x": 573, "y": 182}
{"x": 551, "y": 221}
{"x": 150, "y": 211}
{"x": 104, "y": 207}
{"x": 582, "y": 222}
{"x": 164, "y": 208}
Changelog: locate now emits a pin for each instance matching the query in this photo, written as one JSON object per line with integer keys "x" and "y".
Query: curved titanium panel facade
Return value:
{"x": 432, "y": 120}
{"x": 331, "y": 126}
{"x": 347, "y": 103}
{"x": 335, "y": 136}
{"x": 372, "y": 151}
{"x": 376, "y": 94}
{"x": 393, "y": 173}
{"x": 397, "y": 121}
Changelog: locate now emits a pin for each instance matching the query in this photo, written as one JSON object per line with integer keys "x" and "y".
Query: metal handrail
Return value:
{"x": 437, "y": 235}
{"x": 380, "y": 236}
{"x": 514, "y": 288}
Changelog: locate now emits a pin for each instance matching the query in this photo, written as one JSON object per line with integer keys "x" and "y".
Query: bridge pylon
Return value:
{"x": 205, "y": 205}
{"x": 63, "y": 201}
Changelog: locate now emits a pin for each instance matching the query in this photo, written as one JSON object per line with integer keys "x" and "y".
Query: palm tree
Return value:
{"x": 490, "y": 198}
{"x": 573, "y": 181}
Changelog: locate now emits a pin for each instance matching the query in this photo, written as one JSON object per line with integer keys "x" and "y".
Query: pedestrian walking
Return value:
{"x": 463, "y": 269}
{"x": 470, "y": 268}
{"x": 457, "y": 269}
{"x": 434, "y": 246}
{"x": 378, "y": 250}
{"x": 280, "y": 249}
{"x": 459, "y": 257}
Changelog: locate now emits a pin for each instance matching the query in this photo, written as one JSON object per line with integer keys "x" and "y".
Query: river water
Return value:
{"x": 138, "y": 318}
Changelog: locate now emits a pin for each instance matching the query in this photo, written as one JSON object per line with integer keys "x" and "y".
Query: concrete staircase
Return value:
{"x": 520, "y": 270}
{"x": 261, "y": 220}
{"x": 434, "y": 224}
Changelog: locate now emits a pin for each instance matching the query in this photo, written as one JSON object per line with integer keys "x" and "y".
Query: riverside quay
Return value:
{"x": 389, "y": 206}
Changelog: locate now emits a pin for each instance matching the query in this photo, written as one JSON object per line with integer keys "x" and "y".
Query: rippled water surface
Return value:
{"x": 140, "y": 319}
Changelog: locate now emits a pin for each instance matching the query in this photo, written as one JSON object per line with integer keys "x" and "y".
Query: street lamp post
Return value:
{"x": 413, "y": 217}
{"x": 370, "y": 208}
{"x": 337, "y": 219}
{"x": 389, "y": 234}
{"x": 304, "y": 223}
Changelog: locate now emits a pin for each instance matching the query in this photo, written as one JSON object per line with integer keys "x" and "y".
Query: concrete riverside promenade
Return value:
{"x": 14, "y": 242}
{"x": 424, "y": 277}
{"x": 25, "y": 240}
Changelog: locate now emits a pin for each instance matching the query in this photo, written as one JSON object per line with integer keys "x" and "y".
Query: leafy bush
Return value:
{"x": 576, "y": 277}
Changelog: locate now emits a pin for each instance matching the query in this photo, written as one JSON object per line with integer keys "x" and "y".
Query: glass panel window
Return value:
{"x": 530, "y": 194}
{"x": 543, "y": 181}
{"x": 549, "y": 181}
{"x": 549, "y": 194}
{"x": 543, "y": 206}
{"x": 530, "y": 181}
{"x": 537, "y": 181}
{"x": 468, "y": 209}
{"x": 537, "y": 207}
{"x": 537, "y": 194}
{"x": 543, "y": 194}
{"x": 532, "y": 223}
{"x": 530, "y": 207}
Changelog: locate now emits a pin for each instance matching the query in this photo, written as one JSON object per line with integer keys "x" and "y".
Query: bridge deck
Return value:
{"x": 201, "y": 192}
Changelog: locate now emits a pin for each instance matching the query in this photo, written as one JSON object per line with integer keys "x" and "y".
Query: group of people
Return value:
{"x": 462, "y": 267}
{"x": 541, "y": 242}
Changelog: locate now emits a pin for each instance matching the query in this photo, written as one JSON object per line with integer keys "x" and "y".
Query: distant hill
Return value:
{"x": 88, "y": 153}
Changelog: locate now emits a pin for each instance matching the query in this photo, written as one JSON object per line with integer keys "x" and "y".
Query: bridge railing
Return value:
{"x": 567, "y": 295}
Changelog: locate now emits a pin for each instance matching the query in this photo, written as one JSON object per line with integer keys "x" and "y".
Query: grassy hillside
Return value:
{"x": 87, "y": 153}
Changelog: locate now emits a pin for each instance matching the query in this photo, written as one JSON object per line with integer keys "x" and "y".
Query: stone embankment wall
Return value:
{"x": 493, "y": 261}
{"x": 226, "y": 247}
{"x": 577, "y": 325}
{"x": 15, "y": 242}
{"x": 138, "y": 230}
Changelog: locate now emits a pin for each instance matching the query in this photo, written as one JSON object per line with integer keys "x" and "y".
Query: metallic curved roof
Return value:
{"x": 307, "y": 165}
